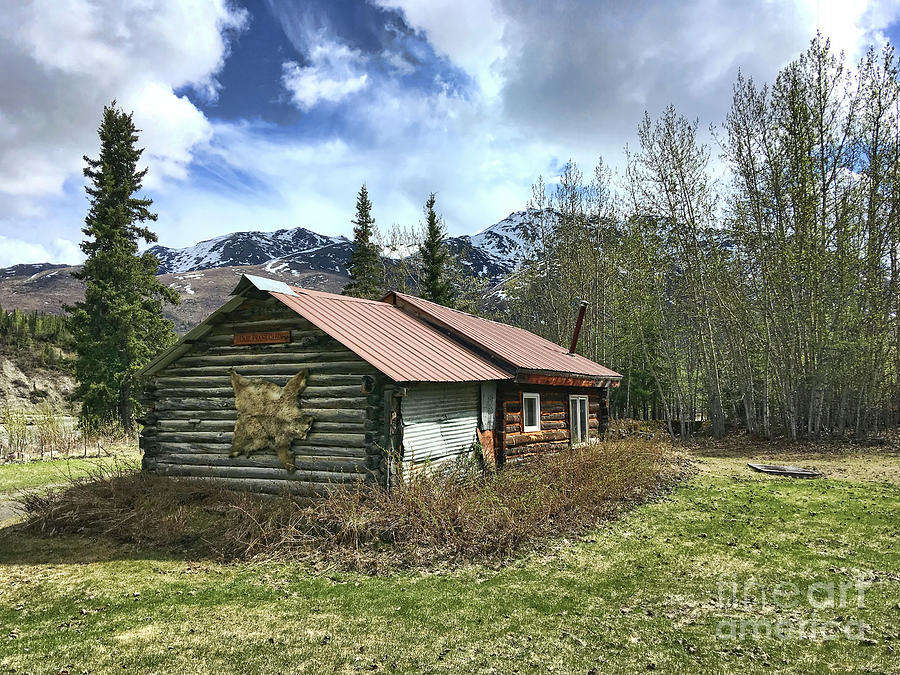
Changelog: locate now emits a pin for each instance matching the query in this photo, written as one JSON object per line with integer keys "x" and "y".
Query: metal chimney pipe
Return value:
{"x": 577, "y": 332}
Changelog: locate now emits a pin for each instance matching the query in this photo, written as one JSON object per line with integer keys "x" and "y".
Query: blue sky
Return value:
{"x": 262, "y": 115}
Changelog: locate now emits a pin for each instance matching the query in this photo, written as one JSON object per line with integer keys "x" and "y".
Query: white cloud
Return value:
{"x": 16, "y": 252}
{"x": 176, "y": 130}
{"x": 469, "y": 32}
{"x": 571, "y": 86}
{"x": 850, "y": 24}
{"x": 552, "y": 81}
{"x": 335, "y": 72}
{"x": 61, "y": 61}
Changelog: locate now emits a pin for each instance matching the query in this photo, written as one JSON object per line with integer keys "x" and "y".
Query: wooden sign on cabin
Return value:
{"x": 267, "y": 338}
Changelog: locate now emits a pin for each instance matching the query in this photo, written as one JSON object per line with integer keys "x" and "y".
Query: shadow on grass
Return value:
{"x": 20, "y": 546}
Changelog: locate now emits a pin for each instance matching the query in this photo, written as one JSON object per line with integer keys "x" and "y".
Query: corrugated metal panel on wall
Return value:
{"x": 439, "y": 422}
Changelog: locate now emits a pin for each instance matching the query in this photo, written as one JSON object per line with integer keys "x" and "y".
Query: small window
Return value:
{"x": 531, "y": 412}
{"x": 578, "y": 419}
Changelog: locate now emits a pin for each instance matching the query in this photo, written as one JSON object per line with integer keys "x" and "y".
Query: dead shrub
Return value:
{"x": 453, "y": 516}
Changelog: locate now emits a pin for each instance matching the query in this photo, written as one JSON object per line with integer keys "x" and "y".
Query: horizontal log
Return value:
{"x": 348, "y": 416}
{"x": 193, "y": 403}
{"x": 266, "y": 312}
{"x": 198, "y": 414}
{"x": 350, "y": 406}
{"x": 195, "y": 424}
{"x": 551, "y": 408}
{"x": 513, "y": 418}
{"x": 288, "y": 359}
{"x": 260, "y": 486}
{"x": 513, "y": 440}
{"x": 314, "y": 438}
{"x": 288, "y": 348}
{"x": 308, "y": 393}
{"x": 261, "y": 326}
{"x": 301, "y": 462}
{"x": 224, "y": 449}
{"x": 344, "y": 404}
{"x": 279, "y": 473}
{"x": 355, "y": 368}
{"x": 547, "y": 406}
{"x": 550, "y": 425}
{"x": 545, "y": 426}
{"x": 536, "y": 448}
{"x": 223, "y": 379}
{"x": 228, "y": 425}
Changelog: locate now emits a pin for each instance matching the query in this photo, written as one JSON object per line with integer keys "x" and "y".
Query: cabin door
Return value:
{"x": 578, "y": 419}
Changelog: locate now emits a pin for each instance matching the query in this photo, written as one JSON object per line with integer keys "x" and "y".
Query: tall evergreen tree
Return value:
{"x": 434, "y": 254}
{"x": 366, "y": 272}
{"x": 119, "y": 327}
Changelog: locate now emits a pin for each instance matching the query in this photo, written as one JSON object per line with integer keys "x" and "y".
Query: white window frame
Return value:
{"x": 537, "y": 399}
{"x": 575, "y": 424}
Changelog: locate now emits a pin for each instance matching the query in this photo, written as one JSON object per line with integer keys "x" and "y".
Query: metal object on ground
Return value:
{"x": 789, "y": 471}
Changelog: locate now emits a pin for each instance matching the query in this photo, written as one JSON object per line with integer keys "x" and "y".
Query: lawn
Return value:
{"x": 40, "y": 473}
{"x": 659, "y": 589}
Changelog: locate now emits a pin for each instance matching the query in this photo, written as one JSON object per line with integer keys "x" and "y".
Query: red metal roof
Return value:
{"x": 515, "y": 346}
{"x": 400, "y": 346}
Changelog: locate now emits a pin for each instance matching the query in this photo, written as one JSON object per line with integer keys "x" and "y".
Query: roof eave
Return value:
{"x": 535, "y": 376}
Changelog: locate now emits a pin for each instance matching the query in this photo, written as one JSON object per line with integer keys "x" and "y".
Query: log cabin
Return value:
{"x": 375, "y": 390}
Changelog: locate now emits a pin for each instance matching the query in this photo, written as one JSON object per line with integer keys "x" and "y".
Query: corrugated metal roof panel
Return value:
{"x": 400, "y": 346}
{"x": 515, "y": 346}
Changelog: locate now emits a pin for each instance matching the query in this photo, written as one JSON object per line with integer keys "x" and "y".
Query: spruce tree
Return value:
{"x": 366, "y": 272}
{"x": 119, "y": 326}
{"x": 434, "y": 254}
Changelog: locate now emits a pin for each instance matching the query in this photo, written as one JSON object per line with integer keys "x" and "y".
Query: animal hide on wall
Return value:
{"x": 268, "y": 416}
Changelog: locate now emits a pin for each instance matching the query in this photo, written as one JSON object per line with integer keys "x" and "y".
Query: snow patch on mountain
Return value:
{"x": 241, "y": 248}
{"x": 497, "y": 251}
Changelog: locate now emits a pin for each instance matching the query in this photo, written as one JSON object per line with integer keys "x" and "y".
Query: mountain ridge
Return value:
{"x": 205, "y": 273}
{"x": 494, "y": 251}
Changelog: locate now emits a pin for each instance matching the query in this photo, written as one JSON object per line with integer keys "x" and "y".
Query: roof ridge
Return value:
{"x": 335, "y": 296}
{"x": 481, "y": 318}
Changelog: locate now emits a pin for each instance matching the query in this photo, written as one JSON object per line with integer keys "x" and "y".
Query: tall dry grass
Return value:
{"x": 46, "y": 432}
{"x": 15, "y": 439}
{"x": 448, "y": 517}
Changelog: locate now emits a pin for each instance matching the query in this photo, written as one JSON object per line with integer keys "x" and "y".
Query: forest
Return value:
{"x": 36, "y": 338}
{"x": 751, "y": 282}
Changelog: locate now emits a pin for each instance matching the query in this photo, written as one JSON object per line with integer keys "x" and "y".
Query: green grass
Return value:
{"x": 641, "y": 594}
{"x": 28, "y": 475}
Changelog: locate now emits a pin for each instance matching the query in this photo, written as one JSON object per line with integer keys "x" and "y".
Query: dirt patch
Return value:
{"x": 872, "y": 461}
{"x": 39, "y": 386}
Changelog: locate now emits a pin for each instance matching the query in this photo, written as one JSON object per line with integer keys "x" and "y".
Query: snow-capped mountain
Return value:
{"x": 254, "y": 248}
{"x": 28, "y": 270}
{"x": 496, "y": 251}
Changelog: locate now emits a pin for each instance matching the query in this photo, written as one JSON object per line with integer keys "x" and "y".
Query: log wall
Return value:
{"x": 189, "y": 427}
{"x": 513, "y": 443}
